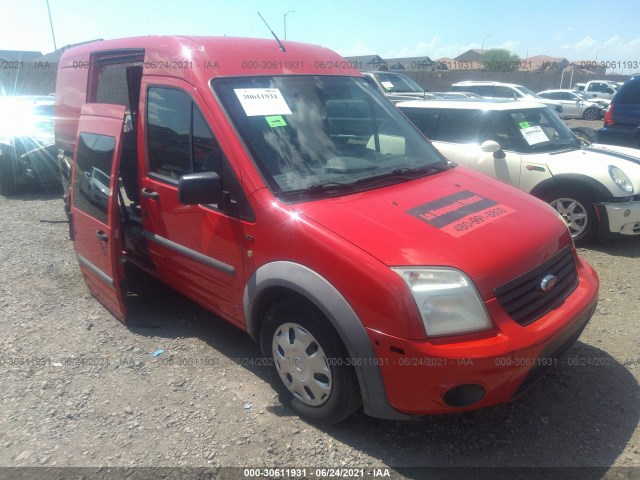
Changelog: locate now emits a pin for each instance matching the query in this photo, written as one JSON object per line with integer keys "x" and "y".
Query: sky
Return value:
{"x": 586, "y": 30}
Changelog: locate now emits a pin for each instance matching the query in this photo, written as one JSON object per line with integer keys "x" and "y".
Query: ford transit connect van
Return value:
{"x": 252, "y": 176}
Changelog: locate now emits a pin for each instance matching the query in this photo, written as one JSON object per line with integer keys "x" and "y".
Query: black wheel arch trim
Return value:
{"x": 575, "y": 179}
{"x": 321, "y": 293}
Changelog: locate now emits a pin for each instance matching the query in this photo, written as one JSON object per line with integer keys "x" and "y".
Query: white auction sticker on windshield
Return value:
{"x": 387, "y": 85}
{"x": 262, "y": 101}
{"x": 534, "y": 135}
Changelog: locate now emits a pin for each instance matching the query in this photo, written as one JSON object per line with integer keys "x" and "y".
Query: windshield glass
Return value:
{"x": 318, "y": 135}
{"x": 537, "y": 130}
{"x": 397, "y": 83}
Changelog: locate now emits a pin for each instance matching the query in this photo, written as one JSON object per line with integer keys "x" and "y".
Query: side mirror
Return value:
{"x": 200, "y": 188}
{"x": 491, "y": 146}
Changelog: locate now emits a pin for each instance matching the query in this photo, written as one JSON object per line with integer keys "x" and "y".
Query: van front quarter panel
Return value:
{"x": 275, "y": 280}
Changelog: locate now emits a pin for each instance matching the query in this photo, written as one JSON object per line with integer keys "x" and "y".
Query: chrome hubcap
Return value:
{"x": 302, "y": 364}
{"x": 573, "y": 213}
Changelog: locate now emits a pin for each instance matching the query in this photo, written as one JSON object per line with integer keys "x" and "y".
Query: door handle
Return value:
{"x": 150, "y": 194}
{"x": 103, "y": 237}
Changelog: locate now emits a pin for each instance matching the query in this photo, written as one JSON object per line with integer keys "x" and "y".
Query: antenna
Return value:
{"x": 274, "y": 35}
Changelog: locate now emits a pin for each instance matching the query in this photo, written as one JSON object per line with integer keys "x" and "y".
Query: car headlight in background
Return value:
{"x": 620, "y": 179}
{"x": 447, "y": 300}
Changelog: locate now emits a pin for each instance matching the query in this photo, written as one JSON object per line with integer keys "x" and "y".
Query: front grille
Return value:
{"x": 524, "y": 300}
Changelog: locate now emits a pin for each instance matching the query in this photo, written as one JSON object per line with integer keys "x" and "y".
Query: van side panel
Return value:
{"x": 71, "y": 94}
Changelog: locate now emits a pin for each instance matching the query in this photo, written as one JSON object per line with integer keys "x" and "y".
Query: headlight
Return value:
{"x": 620, "y": 179}
{"x": 447, "y": 300}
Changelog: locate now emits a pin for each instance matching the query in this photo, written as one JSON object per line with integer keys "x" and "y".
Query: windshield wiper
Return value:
{"x": 319, "y": 188}
{"x": 323, "y": 187}
{"x": 404, "y": 173}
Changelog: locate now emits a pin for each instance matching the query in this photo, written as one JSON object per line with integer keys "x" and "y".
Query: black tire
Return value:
{"x": 592, "y": 113}
{"x": 576, "y": 207}
{"x": 292, "y": 324}
{"x": 586, "y": 135}
{"x": 8, "y": 178}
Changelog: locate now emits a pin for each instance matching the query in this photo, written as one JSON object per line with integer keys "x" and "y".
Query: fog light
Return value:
{"x": 463, "y": 395}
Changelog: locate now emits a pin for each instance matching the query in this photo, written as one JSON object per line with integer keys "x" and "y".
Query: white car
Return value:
{"x": 576, "y": 104}
{"x": 499, "y": 90}
{"x": 596, "y": 189}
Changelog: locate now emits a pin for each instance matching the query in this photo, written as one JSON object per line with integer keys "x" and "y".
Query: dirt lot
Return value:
{"x": 77, "y": 388}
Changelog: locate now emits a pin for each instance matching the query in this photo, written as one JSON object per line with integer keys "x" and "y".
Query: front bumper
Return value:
{"x": 445, "y": 375}
{"x": 623, "y": 218}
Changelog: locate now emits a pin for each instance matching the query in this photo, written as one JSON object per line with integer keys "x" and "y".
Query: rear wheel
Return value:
{"x": 307, "y": 364}
{"x": 577, "y": 210}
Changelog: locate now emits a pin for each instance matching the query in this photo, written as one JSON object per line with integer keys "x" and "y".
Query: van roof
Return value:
{"x": 217, "y": 56}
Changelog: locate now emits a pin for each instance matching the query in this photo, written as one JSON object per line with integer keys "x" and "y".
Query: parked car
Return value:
{"x": 575, "y": 104}
{"x": 622, "y": 118}
{"x": 598, "y": 88}
{"x": 595, "y": 189}
{"x": 499, "y": 90}
{"x": 270, "y": 196}
{"x": 94, "y": 185}
{"x": 456, "y": 96}
{"x": 396, "y": 87}
{"x": 27, "y": 147}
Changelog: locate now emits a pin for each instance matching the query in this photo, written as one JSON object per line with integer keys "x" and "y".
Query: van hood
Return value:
{"x": 457, "y": 218}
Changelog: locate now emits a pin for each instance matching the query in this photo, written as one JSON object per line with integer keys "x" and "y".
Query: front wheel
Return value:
{"x": 308, "y": 364}
{"x": 592, "y": 113}
{"x": 578, "y": 211}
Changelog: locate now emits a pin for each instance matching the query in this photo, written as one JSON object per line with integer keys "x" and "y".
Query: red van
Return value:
{"x": 272, "y": 184}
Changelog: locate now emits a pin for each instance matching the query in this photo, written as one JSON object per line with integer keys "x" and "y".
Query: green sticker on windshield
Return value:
{"x": 524, "y": 124}
{"x": 276, "y": 121}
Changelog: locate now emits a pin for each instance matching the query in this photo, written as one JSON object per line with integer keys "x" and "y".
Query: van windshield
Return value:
{"x": 324, "y": 135}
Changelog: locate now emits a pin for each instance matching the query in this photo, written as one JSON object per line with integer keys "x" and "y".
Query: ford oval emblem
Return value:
{"x": 548, "y": 282}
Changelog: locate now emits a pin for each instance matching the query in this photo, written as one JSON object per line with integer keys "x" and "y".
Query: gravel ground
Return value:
{"x": 80, "y": 389}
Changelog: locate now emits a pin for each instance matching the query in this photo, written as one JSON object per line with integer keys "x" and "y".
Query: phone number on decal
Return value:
{"x": 475, "y": 220}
